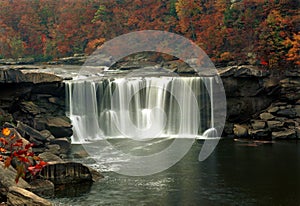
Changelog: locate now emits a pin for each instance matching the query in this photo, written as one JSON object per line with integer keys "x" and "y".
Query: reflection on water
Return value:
{"x": 235, "y": 174}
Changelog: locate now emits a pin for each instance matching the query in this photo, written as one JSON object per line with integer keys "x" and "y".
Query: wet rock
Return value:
{"x": 256, "y": 124}
{"x": 20, "y": 196}
{"x": 44, "y": 188}
{"x": 266, "y": 116}
{"x": 286, "y": 134}
{"x": 240, "y": 130}
{"x": 66, "y": 173}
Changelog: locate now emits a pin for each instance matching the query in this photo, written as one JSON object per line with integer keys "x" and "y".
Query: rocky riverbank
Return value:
{"x": 32, "y": 105}
{"x": 261, "y": 105}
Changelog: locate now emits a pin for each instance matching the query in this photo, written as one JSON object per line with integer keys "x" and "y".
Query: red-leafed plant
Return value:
{"x": 13, "y": 149}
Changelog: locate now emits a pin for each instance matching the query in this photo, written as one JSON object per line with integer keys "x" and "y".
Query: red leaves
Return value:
{"x": 37, "y": 168}
{"x": 29, "y": 145}
{"x": 25, "y": 159}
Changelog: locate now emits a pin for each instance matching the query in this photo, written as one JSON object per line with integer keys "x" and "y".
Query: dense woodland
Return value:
{"x": 261, "y": 32}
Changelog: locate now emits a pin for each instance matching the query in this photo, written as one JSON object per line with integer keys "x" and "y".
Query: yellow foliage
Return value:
{"x": 6, "y": 131}
{"x": 294, "y": 51}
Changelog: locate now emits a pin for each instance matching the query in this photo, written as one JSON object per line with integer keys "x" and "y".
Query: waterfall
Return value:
{"x": 140, "y": 107}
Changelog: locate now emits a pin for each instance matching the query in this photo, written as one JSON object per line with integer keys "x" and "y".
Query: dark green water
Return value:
{"x": 235, "y": 174}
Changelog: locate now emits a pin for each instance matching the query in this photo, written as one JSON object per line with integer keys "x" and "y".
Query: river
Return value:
{"x": 236, "y": 173}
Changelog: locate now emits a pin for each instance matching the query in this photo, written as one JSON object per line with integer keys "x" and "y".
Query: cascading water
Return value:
{"x": 140, "y": 108}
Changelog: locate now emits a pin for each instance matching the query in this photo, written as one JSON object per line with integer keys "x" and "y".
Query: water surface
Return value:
{"x": 236, "y": 173}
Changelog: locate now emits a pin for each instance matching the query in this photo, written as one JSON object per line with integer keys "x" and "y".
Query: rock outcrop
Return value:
{"x": 267, "y": 104}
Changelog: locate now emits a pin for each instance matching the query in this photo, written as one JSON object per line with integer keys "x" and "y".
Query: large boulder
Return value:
{"x": 286, "y": 134}
{"x": 20, "y": 196}
{"x": 66, "y": 173}
{"x": 7, "y": 178}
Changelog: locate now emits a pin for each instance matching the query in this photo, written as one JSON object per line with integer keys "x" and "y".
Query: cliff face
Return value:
{"x": 259, "y": 105}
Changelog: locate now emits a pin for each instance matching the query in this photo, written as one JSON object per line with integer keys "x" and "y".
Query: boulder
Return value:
{"x": 273, "y": 109}
{"x": 7, "y": 178}
{"x": 240, "y": 131}
{"x": 20, "y": 196}
{"x": 58, "y": 126}
{"x": 256, "y": 124}
{"x": 66, "y": 173}
{"x": 275, "y": 125}
{"x": 63, "y": 143}
{"x": 50, "y": 157}
{"x": 27, "y": 131}
{"x": 266, "y": 116}
{"x": 286, "y": 134}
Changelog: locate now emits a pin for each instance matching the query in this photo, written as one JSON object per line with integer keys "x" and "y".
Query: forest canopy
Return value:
{"x": 261, "y": 32}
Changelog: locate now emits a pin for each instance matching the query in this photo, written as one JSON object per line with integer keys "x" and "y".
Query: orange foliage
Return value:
{"x": 62, "y": 28}
{"x": 294, "y": 51}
